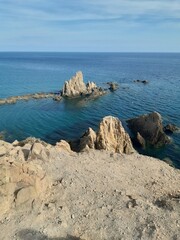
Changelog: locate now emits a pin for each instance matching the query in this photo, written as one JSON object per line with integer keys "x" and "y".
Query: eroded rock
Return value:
{"x": 170, "y": 128}
{"x": 111, "y": 136}
{"x": 150, "y": 127}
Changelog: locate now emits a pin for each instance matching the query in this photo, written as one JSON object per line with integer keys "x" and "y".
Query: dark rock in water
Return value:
{"x": 150, "y": 128}
{"x": 141, "y": 81}
{"x": 112, "y": 86}
{"x": 170, "y": 128}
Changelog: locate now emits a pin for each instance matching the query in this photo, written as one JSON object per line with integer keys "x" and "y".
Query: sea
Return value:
{"x": 30, "y": 72}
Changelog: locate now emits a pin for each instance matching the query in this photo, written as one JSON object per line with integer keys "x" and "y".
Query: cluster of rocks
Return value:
{"x": 73, "y": 88}
{"x": 76, "y": 87}
{"x": 112, "y": 86}
{"x": 111, "y": 136}
{"x": 141, "y": 81}
{"x": 50, "y": 192}
{"x": 148, "y": 130}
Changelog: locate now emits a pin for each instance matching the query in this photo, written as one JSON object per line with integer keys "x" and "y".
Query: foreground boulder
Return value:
{"x": 150, "y": 129}
{"x": 110, "y": 136}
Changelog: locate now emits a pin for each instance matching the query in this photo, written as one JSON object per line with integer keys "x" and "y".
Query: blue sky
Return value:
{"x": 90, "y": 25}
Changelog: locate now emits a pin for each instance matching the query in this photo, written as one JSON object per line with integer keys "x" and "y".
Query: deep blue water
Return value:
{"x": 22, "y": 73}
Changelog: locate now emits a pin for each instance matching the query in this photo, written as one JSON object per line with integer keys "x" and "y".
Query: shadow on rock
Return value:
{"x": 30, "y": 234}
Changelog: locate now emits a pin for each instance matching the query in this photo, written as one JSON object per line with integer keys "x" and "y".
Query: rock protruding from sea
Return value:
{"x": 111, "y": 136}
{"x": 150, "y": 129}
{"x": 76, "y": 87}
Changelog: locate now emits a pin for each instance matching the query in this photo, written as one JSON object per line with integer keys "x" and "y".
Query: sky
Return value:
{"x": 90, "y": 25}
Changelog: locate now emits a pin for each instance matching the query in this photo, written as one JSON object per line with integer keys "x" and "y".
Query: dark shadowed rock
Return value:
{"x": 150, "y": 128}
{"x": 141, "y": 81}
{"x": 112, "y": 86}
{"x": 170, "y": 128}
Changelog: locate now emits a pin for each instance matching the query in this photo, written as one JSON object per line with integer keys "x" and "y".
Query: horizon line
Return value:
{"x": 40, "y": 51}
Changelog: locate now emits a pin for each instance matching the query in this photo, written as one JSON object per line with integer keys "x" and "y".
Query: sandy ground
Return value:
{"x": 99, "y": 195}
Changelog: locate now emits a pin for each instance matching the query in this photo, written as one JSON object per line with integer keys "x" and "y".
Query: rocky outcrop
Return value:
{"x": 112, "y": 86}
{"x": 150, "y": 128}
{"x": 76, "y": 87}
{"x": 170, "y": 128}
{"x": 110, "y": 136}
{"x": 21, "y": 181}
{"x": 88, "y": 140}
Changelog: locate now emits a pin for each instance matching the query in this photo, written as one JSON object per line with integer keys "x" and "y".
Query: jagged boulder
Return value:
{"x": 150, "y": 128}
{"x": 88, "y": 140}
{"x": 75, "y": 86}
{"x": 111, "y": 136}
{"x": 90, "y": 87}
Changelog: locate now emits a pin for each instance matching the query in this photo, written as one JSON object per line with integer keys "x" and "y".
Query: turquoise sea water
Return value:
{"x": 23, "y": 73}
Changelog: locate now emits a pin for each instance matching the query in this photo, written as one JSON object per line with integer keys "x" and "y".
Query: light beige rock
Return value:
{"x": 63, "y": 146}
{"x": 88, "y": 140}
{"x": 3, "y": 151}
{"x": 75, "y": 86}
{"x": 90, "y": 86}
{"x": 111, "y": 136}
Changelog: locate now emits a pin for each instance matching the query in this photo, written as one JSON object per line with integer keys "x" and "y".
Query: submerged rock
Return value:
{"x": 112, "y": 86}
{"x": 170, "y": 128}
{"x": 141, "y": 81}
{"x": 150, "y": 127}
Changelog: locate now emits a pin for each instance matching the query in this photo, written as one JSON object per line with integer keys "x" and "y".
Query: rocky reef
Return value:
{"x": 73, "y": 88}
{"x": 14, "y": 99}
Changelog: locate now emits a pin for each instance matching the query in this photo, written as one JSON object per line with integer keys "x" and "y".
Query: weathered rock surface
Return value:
{"x": 150, "y": 127}
{"x": 110, "y": 136}
{"x": 76, "y": 87}
{"x": 170, "y": 128}
{"x": 88, "y": 140}
{"x": 87, "y": 196}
